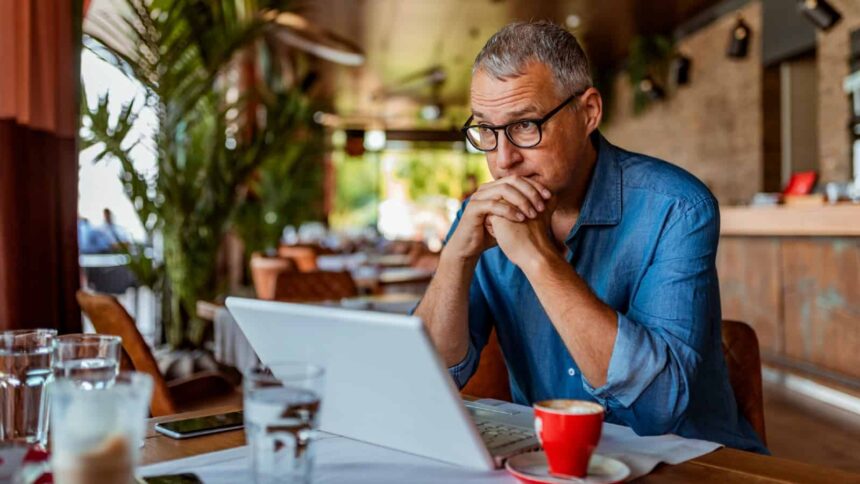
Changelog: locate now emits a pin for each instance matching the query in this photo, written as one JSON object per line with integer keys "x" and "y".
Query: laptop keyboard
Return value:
{"x": 498, "y": 436}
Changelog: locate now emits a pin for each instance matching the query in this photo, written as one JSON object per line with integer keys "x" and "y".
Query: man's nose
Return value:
{"x": 507, "y": 154}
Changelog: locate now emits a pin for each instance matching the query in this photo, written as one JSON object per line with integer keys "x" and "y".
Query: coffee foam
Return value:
{"x": 571, "y": 407}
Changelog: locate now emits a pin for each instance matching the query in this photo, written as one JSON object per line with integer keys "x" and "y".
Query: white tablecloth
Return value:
{"x": 343, "y": 460}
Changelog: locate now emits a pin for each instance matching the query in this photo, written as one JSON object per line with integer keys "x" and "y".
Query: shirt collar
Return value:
{"x": 602, "y": 204}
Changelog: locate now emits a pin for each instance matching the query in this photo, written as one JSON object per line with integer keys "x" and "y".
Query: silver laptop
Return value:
{"x": 385, "y": 383}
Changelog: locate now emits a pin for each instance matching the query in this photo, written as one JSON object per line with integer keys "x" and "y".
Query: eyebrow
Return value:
{"x": 512, "y": 115}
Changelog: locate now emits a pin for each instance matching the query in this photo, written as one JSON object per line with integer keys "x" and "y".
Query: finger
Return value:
{"x": 511, "y": 195}
{"x": 544, "y": 191}
{"x": 530, "y": 189}
{"x": 488, "y": 224}
{"x": 499, "y": 208}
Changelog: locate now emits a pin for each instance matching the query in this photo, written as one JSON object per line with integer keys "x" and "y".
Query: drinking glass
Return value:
{"x": 90, "y": 360}
{"x": 95, "y": 432}
{"x": 282, "y": 403}
{"x": 25, "y": 368}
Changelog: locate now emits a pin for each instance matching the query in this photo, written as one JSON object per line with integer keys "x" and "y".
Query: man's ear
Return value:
{"x": 591, "y": 105}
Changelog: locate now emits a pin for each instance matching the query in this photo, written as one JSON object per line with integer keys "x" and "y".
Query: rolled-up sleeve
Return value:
{"x": 462, "y": 371}
{"x": 671, "y": 322}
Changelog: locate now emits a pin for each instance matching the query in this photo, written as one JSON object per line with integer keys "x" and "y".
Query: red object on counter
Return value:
{"x": 801, "y": 183}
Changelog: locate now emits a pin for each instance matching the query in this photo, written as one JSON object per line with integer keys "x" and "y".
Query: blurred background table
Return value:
{"x": 232, "y": 348}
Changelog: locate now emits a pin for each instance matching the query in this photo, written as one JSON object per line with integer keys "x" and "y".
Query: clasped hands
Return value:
{"x": 512, "y": 212}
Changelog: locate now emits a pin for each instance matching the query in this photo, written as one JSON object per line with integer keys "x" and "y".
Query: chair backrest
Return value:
{"x": 314, "y": 286}
{"x": 265, "y": 271}
{"x": 491, "y": 378}
{"x": 305, "y": 257}
{"x": 109, "y": 317}
{"x": 740, "y": 347}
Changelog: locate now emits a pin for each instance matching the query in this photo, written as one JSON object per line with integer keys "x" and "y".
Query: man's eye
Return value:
{"x": 524, "y": 126}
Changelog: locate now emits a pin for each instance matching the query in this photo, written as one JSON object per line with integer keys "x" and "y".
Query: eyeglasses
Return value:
{"x": 523, "y": 133}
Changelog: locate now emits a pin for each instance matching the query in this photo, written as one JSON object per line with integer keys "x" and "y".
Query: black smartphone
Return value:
{"x": 184, "y": 478}
{"x": 193, "y": 427}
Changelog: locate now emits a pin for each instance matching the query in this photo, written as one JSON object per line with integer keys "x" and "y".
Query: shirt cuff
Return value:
{"x": 462, "y": 371}
{"x": 636, "y": 361}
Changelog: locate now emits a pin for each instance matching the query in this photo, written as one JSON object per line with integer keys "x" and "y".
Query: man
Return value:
{"x": 116, "y": 236}
{"x": 594, "y": 264}
{"x": 90, "y": 239}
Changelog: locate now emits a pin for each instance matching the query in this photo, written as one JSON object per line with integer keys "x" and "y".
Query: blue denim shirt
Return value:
{"x": 645, "y": 242}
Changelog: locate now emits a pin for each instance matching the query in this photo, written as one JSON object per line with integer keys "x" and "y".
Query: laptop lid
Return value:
{"x": 384, "y": 383}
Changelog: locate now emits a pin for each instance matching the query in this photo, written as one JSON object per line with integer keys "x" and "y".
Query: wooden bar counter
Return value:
{"x": 793, "y": 273}
{"x": 842, "y": 220}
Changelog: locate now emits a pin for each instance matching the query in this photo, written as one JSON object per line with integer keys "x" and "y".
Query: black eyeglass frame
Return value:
{"x": 495, "y": 129}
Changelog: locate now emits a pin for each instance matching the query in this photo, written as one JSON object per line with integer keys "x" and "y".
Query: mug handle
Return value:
{"x": 539, "y": 429}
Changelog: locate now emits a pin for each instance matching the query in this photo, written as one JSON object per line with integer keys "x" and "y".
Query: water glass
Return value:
{"x": 96, "y": 432}
{"x": 282, "y": 403}
{"x": 25, "y": 368}
{"x": 90, "y": 360}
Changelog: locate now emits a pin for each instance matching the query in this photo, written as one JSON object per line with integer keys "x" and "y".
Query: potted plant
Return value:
{"x": 218, "y": 122}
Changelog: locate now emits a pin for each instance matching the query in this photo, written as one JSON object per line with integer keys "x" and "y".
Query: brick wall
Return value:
{"x": 834, "y": 142}
{"x": 712, "y": 127}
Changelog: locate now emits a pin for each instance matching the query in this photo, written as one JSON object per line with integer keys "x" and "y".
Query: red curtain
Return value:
{"x": 39, "y": 92}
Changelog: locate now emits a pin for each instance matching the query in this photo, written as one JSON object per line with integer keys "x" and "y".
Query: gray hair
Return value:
{"x": 512, "y": 48}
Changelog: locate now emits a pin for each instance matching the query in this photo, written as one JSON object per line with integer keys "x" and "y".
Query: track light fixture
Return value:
{"x": 819, "y": 12}
{"x": 739, "y": 40}
{"x": 681, "y": 69}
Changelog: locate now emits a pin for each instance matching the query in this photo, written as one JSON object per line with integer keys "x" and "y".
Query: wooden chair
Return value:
{"x": 265, "y": 271}
{"x": 109, "y": 317}
{"x": 305, "y": 257}
{"x": 740, "y": 347}
{"x": 314, "y": 286}
{"x": 491, "y": 378}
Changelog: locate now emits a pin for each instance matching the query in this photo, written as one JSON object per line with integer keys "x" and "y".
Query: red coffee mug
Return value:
{"x": 569, "y": 431}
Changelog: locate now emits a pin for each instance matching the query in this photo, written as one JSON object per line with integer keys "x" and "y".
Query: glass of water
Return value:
{"x": 90, "y": 360}
{"x": 25, "y": 368}
{"x": 96, "y": 432}
{"x": 282, "y": 403}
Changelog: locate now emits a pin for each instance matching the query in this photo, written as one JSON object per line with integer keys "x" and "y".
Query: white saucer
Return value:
{"x": 532, "y": 468}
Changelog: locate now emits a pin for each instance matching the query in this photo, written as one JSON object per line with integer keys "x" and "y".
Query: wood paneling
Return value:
{"x": 821, "y": 279}
{"x": 801, "y": 295}
{"x": 750, "y": 287}
{"x": 403, "y": 37}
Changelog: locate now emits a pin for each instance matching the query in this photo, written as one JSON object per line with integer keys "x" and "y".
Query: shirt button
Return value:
{"x": 571, "y": 371}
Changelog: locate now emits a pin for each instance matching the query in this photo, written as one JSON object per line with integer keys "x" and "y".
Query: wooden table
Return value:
{"x": 721, "y": 466}
{"x": 407, "y": 279}
{"x": 390, "y": 260}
